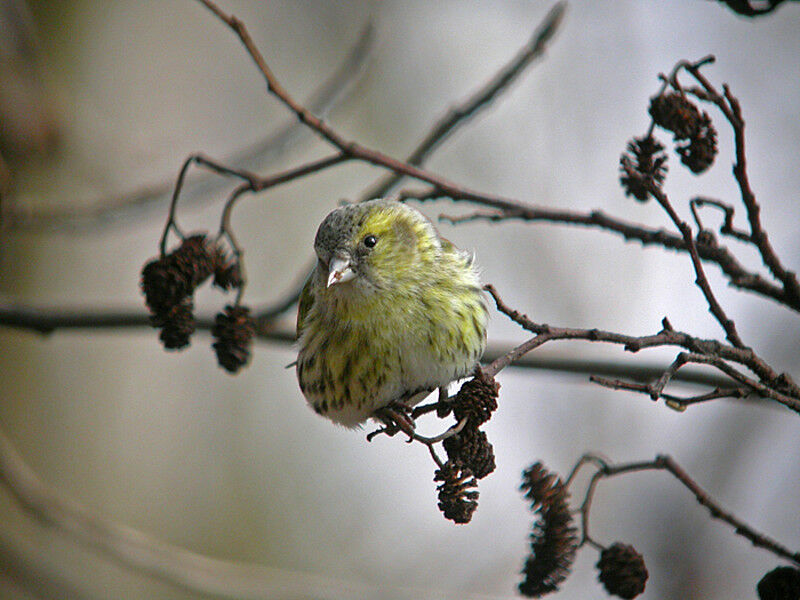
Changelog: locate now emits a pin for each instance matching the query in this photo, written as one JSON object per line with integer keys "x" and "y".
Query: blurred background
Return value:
{"x": 106, "y": 101}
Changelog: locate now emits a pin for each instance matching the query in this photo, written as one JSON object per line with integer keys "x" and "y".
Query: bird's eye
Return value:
{"x": 370, "y": 241}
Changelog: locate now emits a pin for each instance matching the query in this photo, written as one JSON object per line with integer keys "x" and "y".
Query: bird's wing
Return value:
{"x": 305, "y": 304}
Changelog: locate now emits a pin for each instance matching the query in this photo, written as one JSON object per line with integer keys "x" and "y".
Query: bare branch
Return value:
{"x": 769, "y": 384}
{"x": 112, "y": 209}
{"x": 730, "y": 107}
{"x": 737, "y": 275}
{"x": 678, "y": 403}
{"x": 268, "y": 329}
{"x": 666, "y": 463}
{"x": 27, "y": 565}
{"x": 700, "y": 276}
{"x": 727, "y": 227}
{"x": 462, "y": 112}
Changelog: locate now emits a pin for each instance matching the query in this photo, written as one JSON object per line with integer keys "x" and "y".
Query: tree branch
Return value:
{"x": 666, "y": 463}
{"x": 112, "y": 209}
{"x": 770, "y": 384}
{"x": 465, "y": 110}
{"x": 47, "y": 321}
{"x": 730, "y": 107}
{"x": 161, "y": 560}
{"x": 738, "y": 276}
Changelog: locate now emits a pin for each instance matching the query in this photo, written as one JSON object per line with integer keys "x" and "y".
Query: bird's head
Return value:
{"x": 372, "y": 246}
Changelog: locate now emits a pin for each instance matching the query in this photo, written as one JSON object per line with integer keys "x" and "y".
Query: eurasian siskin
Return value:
{"x": 391, "y": 313}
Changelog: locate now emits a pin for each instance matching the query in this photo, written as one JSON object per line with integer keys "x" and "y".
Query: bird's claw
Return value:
{"x": 395, "y": 417}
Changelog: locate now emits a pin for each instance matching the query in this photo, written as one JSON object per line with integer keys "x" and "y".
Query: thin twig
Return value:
{"x": 727, "y": 227}
{"x": 666, "y": 463}
{"x": 47, "y": 321}
{"x": 207, "y": 163}
{"x": 737, "y": 275}
{"x": 586, "y": 507}
{"x": 464, "y": 111}
{"x": 711, "y": 352}
{"x": 109, "y": 210}
{"x": 731, "y": 108}
{"x": 677, "y": 402}
{"x": 583, "y": 460}
{"x": 727, "y": 324}
{"x": 448, "y": 433}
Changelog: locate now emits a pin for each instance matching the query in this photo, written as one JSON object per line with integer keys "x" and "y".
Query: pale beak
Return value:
{"x": 340, "y": 270}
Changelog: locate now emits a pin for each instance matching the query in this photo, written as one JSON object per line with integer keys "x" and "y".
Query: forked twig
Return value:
{"x": 666, "y": 463}
{"x": 436, "y": 135}
{"x": 731, "y": 109}
{"x": 459, "y": 114}
{"x": 770, "y": 384}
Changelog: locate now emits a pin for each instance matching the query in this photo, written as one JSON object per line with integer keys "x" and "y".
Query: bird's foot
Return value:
{"x": 395, "y": 417}
{"x": 442, "y": 406}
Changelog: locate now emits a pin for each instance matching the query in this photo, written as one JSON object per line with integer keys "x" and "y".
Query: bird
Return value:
{"x": 390, "y": 313}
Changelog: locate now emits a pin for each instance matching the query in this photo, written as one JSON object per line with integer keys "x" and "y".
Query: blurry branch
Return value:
{"x": 461, "y": 113}
{"x": 788, "y": 294}
{"x": 47, "y": 321}
{"x": 457, "y": 116}
{"x": 167, "y": 562}
{"x": 350, "y": 148}
{"x": 264, "y": 152}
{"x": 666, "y": 463}
{"x": 26, "y": 566}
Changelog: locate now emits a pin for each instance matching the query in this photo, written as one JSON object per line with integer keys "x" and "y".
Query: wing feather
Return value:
{"x": 305, "y": 304}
